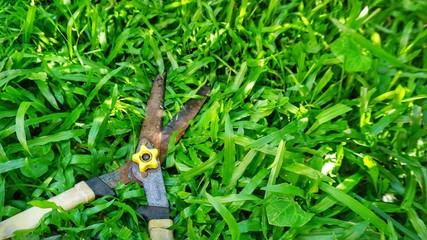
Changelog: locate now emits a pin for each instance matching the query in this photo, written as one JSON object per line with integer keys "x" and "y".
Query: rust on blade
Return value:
{"x": 181, "y": 120}
{"x": 152, "y": 124}
{"x": 116, "y": 176}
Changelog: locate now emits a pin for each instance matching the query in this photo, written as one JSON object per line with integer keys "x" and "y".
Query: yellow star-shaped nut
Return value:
{"x": 146, "y": 158}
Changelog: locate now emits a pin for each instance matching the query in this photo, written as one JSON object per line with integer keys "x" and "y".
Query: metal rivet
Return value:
{"x": 146, "y": 157}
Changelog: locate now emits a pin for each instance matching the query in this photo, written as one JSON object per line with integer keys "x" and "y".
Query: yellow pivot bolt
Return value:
{"x": 146, "y": 158}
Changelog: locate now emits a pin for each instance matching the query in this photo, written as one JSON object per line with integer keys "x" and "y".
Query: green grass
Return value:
{"x": 315, "y": 127}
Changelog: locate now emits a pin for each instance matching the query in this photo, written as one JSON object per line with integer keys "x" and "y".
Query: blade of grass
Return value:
{"x": 240, "y": 76}
{"x": 70, "y": 25}
{"x": 11, "y": 165}
{"x": 356, "y": 206}
{"x": 417, "y": 223}
{"x": 226, "y": 215}
{"x": 118, "y": 44}
{"x": 277, "y": 165}
{"x": 101, "y": 114}
{"x": 385, "y": 121}
{"x": 307, "y": 171}
{"x": 3, "y": 156}
{"x": 100, "y": 84}
{"x": 329, "y": 114}
{"x": 40, "y": 141}
{"x": 287, "y": 130}
{"x": 240, "y": 169}
{"x": 29, "y": 22}
{"x": 33, "y": 121}
{"x": 20, "y": 125}
{"x": 2, "y": 196}
{"x": 157, "y": 54}
{"x": 250, "y": 187}
{"x": 322, "y": 83}
{"x": 201, "y": 168}
{"x": 72, "y": 118}
{"x": 347, "y": 185}
{"x": 44, "y": 89}
{"x": 394, "y": 222}
{"x": 6, "y": 76}
{"x": 197, "y": 65}
{"x": 229, "y": 152}
{"x": 374, "y": 49}
{"x": 410, "y": 191}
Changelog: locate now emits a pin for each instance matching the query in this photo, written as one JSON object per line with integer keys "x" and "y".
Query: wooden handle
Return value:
{"x": 30, "y": 218}
{"x": 158, "y": 229}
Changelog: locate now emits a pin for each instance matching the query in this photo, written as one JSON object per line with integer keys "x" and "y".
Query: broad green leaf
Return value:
{"x": 219, "y": 228}
{"x": 6, "y": 76}
{"x": 34, "y": 169}
{"x": 34, "y": 121}
{"x": 351, "y": 55}
{"x": 124, "y": 233}
{"x": 3, "y": 156}
{"x": 228, "y": 199}
{"x": 286, "y": 213}
{"x": 128, "y": 209}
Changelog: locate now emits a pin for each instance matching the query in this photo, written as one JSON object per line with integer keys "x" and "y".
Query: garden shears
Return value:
{"x": 144, "y": 168}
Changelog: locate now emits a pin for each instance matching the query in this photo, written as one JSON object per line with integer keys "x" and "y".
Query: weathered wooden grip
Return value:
{"x": 30, "y": 218}
{"x": 158, "y": 229}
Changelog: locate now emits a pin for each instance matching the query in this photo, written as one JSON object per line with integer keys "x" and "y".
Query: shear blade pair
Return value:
{"x": 144, "y": 168}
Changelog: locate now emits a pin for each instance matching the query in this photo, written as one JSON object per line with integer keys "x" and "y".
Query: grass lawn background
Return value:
{"x": 315, "y": 127}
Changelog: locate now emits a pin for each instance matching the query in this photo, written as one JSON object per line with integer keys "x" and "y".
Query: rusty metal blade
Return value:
{"x": 181, "y": 120}
{"x": 152, "y": 181}
{"x": 116, "y": 176}
{"x": 152, "y": 124}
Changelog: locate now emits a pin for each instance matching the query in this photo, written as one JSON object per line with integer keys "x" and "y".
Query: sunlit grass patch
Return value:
{"x": 315, "y": 126}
